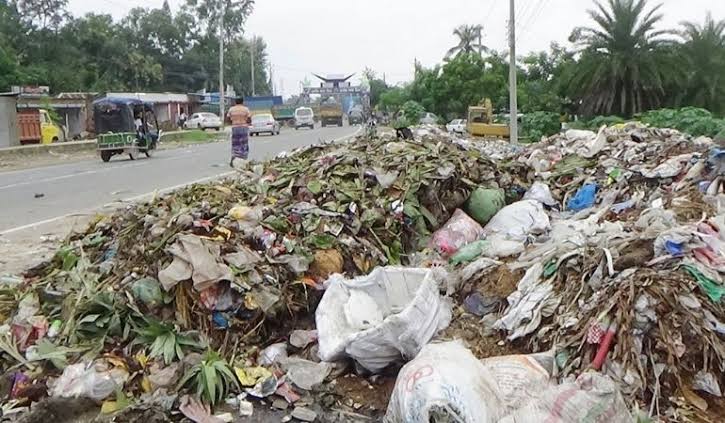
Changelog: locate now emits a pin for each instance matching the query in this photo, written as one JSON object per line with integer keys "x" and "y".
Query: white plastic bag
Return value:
{"x": 445, "y": 379}
{"x": 519, "y": 220}
{"x": 77, "y": 381}
{"x": 540, "y": 192}
{"x": 447, "y": 382}
{"x": 377, "y": 319}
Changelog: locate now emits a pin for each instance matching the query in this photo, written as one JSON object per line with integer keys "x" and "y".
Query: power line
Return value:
{"x": 532, "y": 19}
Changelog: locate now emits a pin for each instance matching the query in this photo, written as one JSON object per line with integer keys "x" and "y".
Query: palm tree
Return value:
{"x": 704, "y": 52}
{"x": 625, "y": 62}
{"x": 469, "y": 41}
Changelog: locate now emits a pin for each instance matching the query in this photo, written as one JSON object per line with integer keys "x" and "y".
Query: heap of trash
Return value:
{"x": 432, "y": 279}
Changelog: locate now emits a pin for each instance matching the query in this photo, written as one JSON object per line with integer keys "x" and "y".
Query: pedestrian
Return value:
{"x": 182, "y": 119}
{"x": 240, "y": 117}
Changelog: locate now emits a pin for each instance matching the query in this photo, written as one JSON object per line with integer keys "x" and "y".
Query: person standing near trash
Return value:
{"x": 240, "y": 117}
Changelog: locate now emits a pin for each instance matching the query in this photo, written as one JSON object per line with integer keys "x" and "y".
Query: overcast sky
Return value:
{"x": 334, "y": 36}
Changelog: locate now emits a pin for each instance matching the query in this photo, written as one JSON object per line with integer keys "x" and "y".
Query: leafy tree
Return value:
{"x": 44, "y": 14}
{"x": 235, "y": 15}
{"x": 704, "y": 52}
{"x": 469, "y": 40}
{"x": 376, "y": 85}
{"x": 542, "y": 80}
{"x": 624, "y": 64}
{"x": 393, "y": 99}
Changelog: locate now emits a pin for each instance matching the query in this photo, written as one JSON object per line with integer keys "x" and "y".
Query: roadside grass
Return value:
{"x": 193, "y": 136}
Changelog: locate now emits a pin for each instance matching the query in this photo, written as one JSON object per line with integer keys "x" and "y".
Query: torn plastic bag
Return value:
{"x": 494, "y": 247}
{"x": 77, "y": 381}
{"x": 667, "y": 169}
{"x": 380, "y": 318}
{"x": 540, "y": 192}
{"x": 519, "y": 220}
{"x": 446, "y": 382}
{"x": 460, "y": 230}
{"x": 532, "y": 301}
{"x": 584, "y": 198}
{"x": 196, "y": 259}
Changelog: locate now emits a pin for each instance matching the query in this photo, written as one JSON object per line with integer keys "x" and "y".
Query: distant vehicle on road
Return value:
{"x": 125, "y": 126}
{"x": 356, "y": 117}
{"x": 457, "y": 126}
{"x": 203, "y": 120}
{"x": 429, "y": 119}
{"x": 331, "y": 113}
{"x": 264, "y": 123}
{"x": 304, "y": 117}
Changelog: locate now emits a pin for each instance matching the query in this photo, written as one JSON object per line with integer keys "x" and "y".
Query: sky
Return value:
{"x": 345, "y": 36}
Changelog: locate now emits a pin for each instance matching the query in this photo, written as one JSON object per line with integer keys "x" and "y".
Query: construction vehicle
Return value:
{"x": 481, "y": 123}
{"x": 331, "y": 113}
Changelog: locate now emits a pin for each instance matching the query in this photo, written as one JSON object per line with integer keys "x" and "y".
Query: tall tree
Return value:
{"x": 469, "y": 41}
{"x": 235, "y": 15}
{"x": 704, "y": 51}
{"x": 624, "y": 63}
{"x": 45, "y": 14}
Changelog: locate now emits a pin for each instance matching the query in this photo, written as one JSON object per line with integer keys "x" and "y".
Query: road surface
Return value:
{"x": 33, "y": 196}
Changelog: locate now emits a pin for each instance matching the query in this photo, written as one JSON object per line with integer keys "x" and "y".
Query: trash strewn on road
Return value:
{"x": 435, "y": 279}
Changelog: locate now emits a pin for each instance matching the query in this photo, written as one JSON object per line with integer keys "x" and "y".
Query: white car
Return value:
{"x": 429, "y": 119}
{"x": 264, "y": 123}
{"x": 203, "y": 121}
{"x": 457, "y": 126}
{"x": 304, "y": 117}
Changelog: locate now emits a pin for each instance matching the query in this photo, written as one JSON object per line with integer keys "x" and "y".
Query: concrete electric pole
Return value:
{"x": 221, "y": 61}
{"x": 513, "y": 107}
{"x": 253, "y": 47}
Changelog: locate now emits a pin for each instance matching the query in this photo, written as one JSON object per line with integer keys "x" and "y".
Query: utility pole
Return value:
{"x": 251, "y": 50}
{"x": 513, "y": 112}
{"x": 221, "y": 61}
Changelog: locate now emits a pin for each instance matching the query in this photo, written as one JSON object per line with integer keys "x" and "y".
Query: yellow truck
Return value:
{"x": 480, "y": 122}
{"x": 36, "y": 127}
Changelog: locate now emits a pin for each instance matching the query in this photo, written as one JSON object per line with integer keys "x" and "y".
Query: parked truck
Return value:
{"x": 36, "y": 127}
{"x": 331, "y": 113}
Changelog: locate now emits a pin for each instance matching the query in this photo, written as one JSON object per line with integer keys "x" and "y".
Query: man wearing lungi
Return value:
{"x": 240, "y": 117}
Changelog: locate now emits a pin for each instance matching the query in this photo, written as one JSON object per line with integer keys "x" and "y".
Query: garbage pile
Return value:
{"x": 585, "y": 270}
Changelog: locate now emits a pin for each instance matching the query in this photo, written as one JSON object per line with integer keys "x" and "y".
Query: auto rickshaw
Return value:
{"x": 125, "y": 126}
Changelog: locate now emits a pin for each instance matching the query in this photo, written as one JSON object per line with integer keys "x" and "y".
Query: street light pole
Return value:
{"x": 221, "y": 61}
{"x": 513, "y": 107}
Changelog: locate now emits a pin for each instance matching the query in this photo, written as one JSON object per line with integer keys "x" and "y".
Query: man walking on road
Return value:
{"x": 240, "y": 117}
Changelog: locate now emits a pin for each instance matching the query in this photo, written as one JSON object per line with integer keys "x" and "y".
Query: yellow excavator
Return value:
{"x": 480, "y": 122}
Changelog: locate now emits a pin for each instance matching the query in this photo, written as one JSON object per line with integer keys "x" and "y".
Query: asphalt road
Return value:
{"x": 78, "y": 187}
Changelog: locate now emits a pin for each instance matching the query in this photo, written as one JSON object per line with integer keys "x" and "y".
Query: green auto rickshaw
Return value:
{"x": 125, "y": 126}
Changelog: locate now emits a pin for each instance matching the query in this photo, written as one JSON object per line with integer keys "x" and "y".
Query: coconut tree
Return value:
{"x": 469, "y": 41}
{"x": 704, "y": 53}
{"x": 625, "y": 61}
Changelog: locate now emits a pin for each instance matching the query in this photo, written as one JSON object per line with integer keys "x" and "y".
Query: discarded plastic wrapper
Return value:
{"x": 377, "y": 319}
{"x": 446, "y": 382}
{"x": 532, "y": 301}
{"x": 584, "y": 198}
{"x": 196, "y": 259}
{"x": 519, "y": 220}
{"x": 460, "y": 230}
{"x": 77, "y": 381}
{"x": 540, "y": 192}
